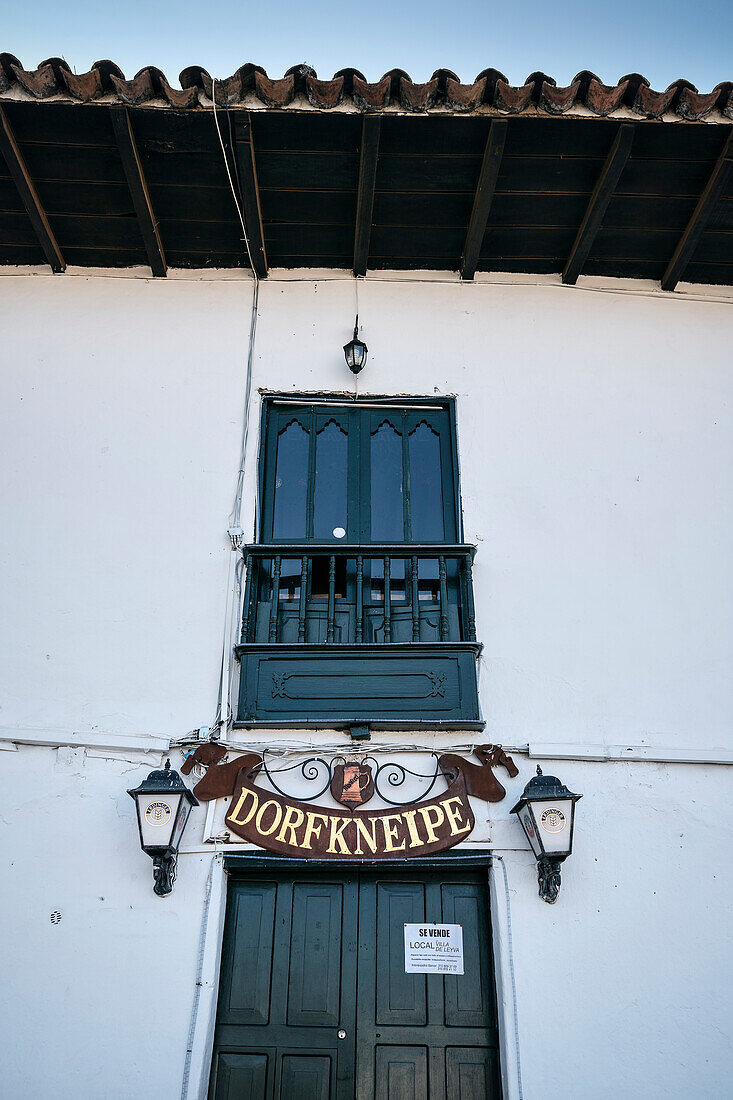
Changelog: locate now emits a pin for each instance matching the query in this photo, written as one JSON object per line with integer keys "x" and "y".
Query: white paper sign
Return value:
{"x": 433, "y": 948}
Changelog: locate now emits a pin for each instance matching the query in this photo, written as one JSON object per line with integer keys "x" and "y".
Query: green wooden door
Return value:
{"x": 308, "y": 958}
{"x": 419, "y": 1036}
{"x": 288, "y": 982}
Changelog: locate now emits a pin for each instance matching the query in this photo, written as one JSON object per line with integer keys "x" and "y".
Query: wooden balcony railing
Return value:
{"x": 358, "y": 595}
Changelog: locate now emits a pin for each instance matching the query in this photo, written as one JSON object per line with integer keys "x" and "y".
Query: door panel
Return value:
{"x": 471, "y": 1073}
{"x": 241, "y": 1077}
{"x": 402, "y": 1073}
{"x": 315, "y": 954}
{"x": 290, "y": 984}
{"x": 469, "y": 997}
{"x": 246, "y": 985}
{"x": 306, "y": 1077}
{"x": 401, "y": 998}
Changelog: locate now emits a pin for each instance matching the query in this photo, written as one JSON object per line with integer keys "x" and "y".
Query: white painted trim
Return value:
{"x": 117, "y": 742}
{"x": 510, "y": 1069}
{"x": 640, "y": 753}
{"x": 209, "y": 837}
{"x": 203, "y": 1041}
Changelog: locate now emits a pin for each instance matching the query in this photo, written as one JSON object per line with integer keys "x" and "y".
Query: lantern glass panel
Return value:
{"x": 530, "y": 830}
{"x": 159, "y": 816}
{"x": 183, "y": 811}
{"x": 554, "y": 821}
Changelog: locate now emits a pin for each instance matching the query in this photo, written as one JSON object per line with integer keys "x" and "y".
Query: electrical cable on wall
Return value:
{"x": 222, "y": 719}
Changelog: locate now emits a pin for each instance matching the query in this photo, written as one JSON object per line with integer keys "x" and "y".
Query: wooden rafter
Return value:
{"x": 249, "y": 192}
{"x": 370, "y": 131}
{"x": 483, "y": 198}
{"x": 127, "y": 146}
{"x": 27, "y": 191}
{"x": 689, "y": 240}
{"x": 599, "y": 200}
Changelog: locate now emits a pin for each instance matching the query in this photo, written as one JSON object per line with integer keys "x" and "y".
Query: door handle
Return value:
{"x": 341, "y": 1033}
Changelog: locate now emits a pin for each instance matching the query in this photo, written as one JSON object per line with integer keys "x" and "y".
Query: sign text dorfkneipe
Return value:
{"x": 301, "y": 830}
{"x": 433, "y": 948}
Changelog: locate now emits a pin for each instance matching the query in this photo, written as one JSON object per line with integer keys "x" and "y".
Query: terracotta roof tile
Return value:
{"x": 396, "y": 89}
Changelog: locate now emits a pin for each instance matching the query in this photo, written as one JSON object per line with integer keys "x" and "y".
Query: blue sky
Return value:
{"x": 663, "y": 39}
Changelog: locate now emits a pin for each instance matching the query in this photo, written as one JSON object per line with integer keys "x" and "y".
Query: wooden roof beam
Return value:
{"x": 599, "y": 200}
{"x": 127, "y": 146}
{"x": 370, "y": 131}
{"x": 249, "y": 192}
{"x": 689, "y": 240}
{"x": 21, "y": 177}
{"x": 489, "y": 174}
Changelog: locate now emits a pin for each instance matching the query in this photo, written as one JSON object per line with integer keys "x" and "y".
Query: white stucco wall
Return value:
{"x": 596, "y": 457}
{"x": 623, "y": 986}
{"x": 595, "y": 447}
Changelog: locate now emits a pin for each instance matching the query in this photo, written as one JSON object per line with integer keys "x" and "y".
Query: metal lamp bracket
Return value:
{"x": 548, "y": 878}
{"x": 164, "y": 874}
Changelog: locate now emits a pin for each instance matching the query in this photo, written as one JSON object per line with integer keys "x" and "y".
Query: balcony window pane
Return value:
{"x": 426, "y": 485}
{"x": 330, "y": 491}
{"x": 291, "y": 483}
{"x": 387, "y": 524}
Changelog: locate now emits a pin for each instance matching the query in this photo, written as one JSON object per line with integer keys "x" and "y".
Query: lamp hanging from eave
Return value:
{"x": 356, "y": 351}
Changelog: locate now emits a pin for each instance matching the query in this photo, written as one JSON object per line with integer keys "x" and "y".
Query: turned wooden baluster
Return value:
{"x": 467, "y": 573}
{"x": 303, "y": 592}
{"x": 359, "y": 598}
{"x": 443, "y": 600}
{"x": 331, "y": 597}
{"x": 245, "y": 603}
{"x": 274, "y": 605}
{"x": 387, "y": 603}
{"x": 415, "y": 601}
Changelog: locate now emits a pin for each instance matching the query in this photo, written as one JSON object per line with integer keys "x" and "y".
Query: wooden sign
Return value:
{"x": 302, "y": 830}
{"x": 298, "y": 829}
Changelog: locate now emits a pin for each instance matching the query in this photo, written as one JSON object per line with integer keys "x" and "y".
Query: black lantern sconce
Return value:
{"x": 547, "y": 813}
{"x": 356, "y": 351}
{"x": 163, "y": 803}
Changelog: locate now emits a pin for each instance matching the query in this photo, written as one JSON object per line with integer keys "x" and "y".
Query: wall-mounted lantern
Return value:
{"x": 163, "y": 804}
{"x": 356, "y": 351}
{"x": 547, "y": 813}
